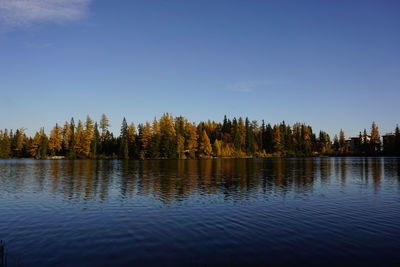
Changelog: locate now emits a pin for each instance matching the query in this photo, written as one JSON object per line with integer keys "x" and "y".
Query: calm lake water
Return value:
{"x": 330, "y": 211}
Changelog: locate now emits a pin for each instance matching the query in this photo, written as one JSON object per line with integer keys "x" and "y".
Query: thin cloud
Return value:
{"x": 24, "y": 13}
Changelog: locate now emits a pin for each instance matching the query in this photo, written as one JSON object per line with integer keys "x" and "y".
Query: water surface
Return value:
{"x": 330, "y": 211}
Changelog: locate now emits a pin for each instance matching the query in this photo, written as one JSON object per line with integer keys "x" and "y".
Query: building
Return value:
{"x": 354, "y": 142}
{"x": 389, "y": 141}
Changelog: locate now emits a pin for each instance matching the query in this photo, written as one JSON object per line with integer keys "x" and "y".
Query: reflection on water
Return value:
{"x": 196, "y": 212}
{"x": 169, "y": 180}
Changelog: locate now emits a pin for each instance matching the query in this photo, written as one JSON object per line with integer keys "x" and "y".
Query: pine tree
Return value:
{"x": 104, "y": 125}
{"x": 365, "y": 142}
{"x": 104, "y": 134}
{"x": 342, "y": 142}
{"x": 239, "y": 135}
{"x": 71, "y": 146}
{"x": 124, "y": 146}
{"x": 95, "y": 141}
{"x": 66, "y": 136}
{"x": 132, "y": 140}
{"x": 375, "y": 143}
{"x": 397, "y": 141}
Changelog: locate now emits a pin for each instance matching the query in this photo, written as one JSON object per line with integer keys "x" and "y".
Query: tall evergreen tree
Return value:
{"x": 277, "y": 140}
{"x": 375, "y": 143}
{"x": 124, "y": 146}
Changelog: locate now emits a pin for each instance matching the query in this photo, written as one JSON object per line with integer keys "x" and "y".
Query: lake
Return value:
{"x": 330, "y": 211}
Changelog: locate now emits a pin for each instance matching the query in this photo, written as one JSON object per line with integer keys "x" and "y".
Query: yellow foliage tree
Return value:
{"x": 205, "y": 145}
{"x": 55, "y": 141}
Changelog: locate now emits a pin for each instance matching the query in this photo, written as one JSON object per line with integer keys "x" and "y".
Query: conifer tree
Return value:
{"x": 124, "y": 146}
{"x": 217, "y": 148}
{"x": 79, "y": 140}
{"x": 191, "y": 139}
{"x": 104, "y": 125}
{"x": 132, "y": 140}
{"x": 205, "y": 145}
{"x": 397, "y": 141}
{"x": 375, "y": 142}
{"x": 168, "y": 137}
{"x": 71, "y": 145}
{"x": 19, "y": 141}
{"x": 55, "y": 141}
{"x": 239, "y": 134}
{"x": 181, "y": 147}
{"x": 277, "y": 140}
{"x": 144, "y": 140}
{"x": 38, "y": 148}
{"x": 87, "y": 137}
{"x": 95, "y": 141}
{"x": 155, "y": 140}
{"x": 342, "y": 142}
{"x": 104, "y": 134}
{"x": 5, "y": 144}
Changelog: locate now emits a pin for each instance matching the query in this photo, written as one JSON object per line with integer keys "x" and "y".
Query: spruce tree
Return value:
{"x": 124, "y": 148}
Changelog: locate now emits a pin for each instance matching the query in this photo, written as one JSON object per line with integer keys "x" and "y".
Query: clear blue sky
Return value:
{"x": 332, "y": 64}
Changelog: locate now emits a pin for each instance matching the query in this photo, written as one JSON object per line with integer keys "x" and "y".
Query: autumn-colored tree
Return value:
{"x": 144, "y": 139}
{"x": 87, "y": 136}
{"x": 277, "y": 140}
{"x": 172, "y": 137}
{"x": 205, "y": 145}
{"x": 239, "y": 132}
{"x": 94, "y": 146}
{"x": 168, "y": 137}
{"x": 55, "y": 141}
{"x": 180, "y": 147}
{"x": 217, "y": 148}
{"x": 71, "y": 145}
{"x": 66, "y": 135}
{"x": 79, "y": 140}
{"x": 132, "y": 140}
{"x": 104, "y": 125}
{"x": 19, "y": 141}
{"x": 375, "y": 143}
{"x": 5, "y": 144}
{"x": 155, "y": 139}
{"x": 324, "y": 143}
{"x": 39, "y": 145}
{"x": 104, "y": 134}
{"x": 191, "y": 139}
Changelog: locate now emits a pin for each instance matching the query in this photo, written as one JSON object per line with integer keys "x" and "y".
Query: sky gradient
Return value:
{"x": 330, "y": 64}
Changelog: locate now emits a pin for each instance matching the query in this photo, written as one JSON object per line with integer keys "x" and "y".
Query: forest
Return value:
{"x": 177, "y": 138}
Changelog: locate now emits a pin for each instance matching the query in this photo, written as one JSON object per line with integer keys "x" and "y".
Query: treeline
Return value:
{"x": 170, "y": 137}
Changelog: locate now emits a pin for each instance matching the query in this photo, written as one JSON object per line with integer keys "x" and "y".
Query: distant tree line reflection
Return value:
{"x": 175, "y": 180}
